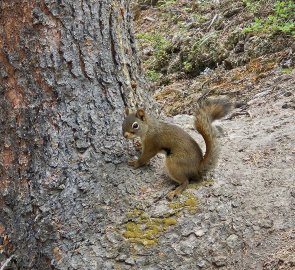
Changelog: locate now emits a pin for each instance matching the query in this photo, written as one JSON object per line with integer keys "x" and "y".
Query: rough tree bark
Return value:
{"x": 68, "y": 68}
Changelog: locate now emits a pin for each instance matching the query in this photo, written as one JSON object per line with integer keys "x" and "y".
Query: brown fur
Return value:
{"x": 184, "y": 158}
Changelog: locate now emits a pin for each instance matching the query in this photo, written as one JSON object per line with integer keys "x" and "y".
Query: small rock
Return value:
{"x": 113, "y": 237}
{"x": 201, "y": 263}
{"x": 186, "y": 247}
{"x": 235, "y": 204}
{"x": 256, "y": 228}
{"x": 286, "y": 63}
{"x": 122, "y": 258}
{"x": 238, "y": 226}
{"x": 82, "y": 145}
{"x": 216, "y": 192}
{"x": 188, "y": 228}
{"x": 266, "y": 223}
{"x": 148, "y": 51}
{"x": 263, "y": 93}
{"x": 147, "y": 18}
{"x": 186, "y": 250}
{"x": 61, "y": 187}
{"x": 199, "y": 232}
{"x": 211, "y": 208}
{"x": 161, "y": 210}
{"x": 288, "y": 94}
{"x": 292, "y": 235}
{"x": 236, "y": 182}
{"x": 130, "y": 261}
{"x": 232, "y": 241}
{"x": 219, "y": 261}
{"x": 222, "y": 212}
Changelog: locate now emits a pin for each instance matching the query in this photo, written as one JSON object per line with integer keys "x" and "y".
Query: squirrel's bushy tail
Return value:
{"x": 206, "y": 113}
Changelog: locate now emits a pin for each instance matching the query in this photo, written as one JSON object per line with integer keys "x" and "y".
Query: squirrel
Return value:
{"x": 184, "y": 158}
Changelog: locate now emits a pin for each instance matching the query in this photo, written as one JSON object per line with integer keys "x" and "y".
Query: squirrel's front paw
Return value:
{"x": 133, "y": 163}
{"x": 137, "y": 145}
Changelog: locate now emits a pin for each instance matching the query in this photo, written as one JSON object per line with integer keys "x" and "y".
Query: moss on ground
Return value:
{"x": 187, "y": 202}
{"x": 144, "y": 229}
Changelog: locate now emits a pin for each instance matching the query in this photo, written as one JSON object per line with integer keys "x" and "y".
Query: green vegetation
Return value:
{"x": 287, "y": 70}
{"x": 160, "y": 47}
{"x": 144, "y": 229}
{"x": 252, "y": 5}
{"x": 166, "y": 3}
{"x": 187, "y": 67}
{"x": 160, "y": 53}
{"x": 205, "y": 52}
{"x": 153, "y": 75}
{"x": 199, "y": 18}
{"x": 281, "y": 21}
{"x": 190, "y": 203}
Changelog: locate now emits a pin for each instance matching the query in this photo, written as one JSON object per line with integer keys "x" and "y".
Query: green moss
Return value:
{"x": 190, "y": 203}
{"x": 169, "y": 221}
{"x": 287, "y": 70}
{"x": 130, "y": 234}
{"x": 145, "y": 242}
{"x": 144, "y": 229}
{"x": 131, "y": 226}
{"x": 138, "y": 230}
{"x": 176, "y": 205}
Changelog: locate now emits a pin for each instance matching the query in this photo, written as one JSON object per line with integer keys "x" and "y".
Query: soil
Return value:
{"x": 242, "y": 216}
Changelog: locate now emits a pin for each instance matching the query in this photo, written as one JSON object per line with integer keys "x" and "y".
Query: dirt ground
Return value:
{"x": 243, "y": 215}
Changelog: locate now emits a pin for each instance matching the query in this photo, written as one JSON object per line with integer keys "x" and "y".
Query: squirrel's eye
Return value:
{"x": 135, "y": 125}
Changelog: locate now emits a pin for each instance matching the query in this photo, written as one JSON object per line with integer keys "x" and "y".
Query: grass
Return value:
{"x": 282, "y": 20}
{"x": 160, "y": 55}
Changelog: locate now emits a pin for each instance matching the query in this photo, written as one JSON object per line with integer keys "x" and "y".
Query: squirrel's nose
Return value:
{"x": 125, "y": 134}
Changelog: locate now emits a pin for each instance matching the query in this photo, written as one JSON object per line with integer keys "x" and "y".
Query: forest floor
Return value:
{"x": 243, "y": 215}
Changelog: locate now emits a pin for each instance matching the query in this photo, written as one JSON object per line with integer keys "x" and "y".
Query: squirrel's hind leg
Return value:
{"x": 178, "y": 174}
{"x": 178, "y": 190}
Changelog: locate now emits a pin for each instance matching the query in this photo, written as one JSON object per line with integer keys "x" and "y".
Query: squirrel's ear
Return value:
{"x": 140, "y": 114}
{"x": 126, "y": 112}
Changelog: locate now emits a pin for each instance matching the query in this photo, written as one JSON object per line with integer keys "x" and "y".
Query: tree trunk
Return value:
{"x": 68, "y": 69}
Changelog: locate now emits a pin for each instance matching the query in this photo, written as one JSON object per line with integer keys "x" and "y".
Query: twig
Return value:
{"x": 204, "y": 96}
{"x": 214, "y": 18}
{"x": 7, "y": 262}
